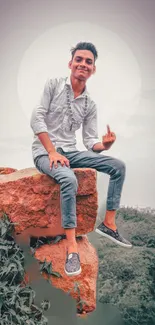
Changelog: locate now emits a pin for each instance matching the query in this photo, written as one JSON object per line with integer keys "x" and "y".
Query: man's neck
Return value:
{"x": 78, "y": 86}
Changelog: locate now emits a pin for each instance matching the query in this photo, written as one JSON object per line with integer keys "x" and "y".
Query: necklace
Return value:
{"x": 72, "y": 120}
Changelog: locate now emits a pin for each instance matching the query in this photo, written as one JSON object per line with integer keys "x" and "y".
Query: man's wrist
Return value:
{"x": 51, "y": 151}
{"x": 98, "y": 147}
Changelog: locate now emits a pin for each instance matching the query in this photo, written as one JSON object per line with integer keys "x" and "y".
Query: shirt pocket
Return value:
{"x": 55, "y": 108}
{"x": 76, "y": 124}
{"x": 68, "y": 125}
{"x": 55, "y": 115}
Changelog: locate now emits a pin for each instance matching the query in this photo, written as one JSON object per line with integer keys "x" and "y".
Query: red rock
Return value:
{"x": 86, "y": 280}
{"x": 7, "y": 170}
{"x": 32, "y": 199}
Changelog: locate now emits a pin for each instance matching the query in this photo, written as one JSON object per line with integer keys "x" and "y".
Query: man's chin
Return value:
{"x": 81, "y": 78}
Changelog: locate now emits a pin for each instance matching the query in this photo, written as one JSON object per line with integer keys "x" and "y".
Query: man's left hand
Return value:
{"x": 108, "y": 139}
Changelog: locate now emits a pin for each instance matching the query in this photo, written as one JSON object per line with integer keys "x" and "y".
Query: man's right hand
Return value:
{"x": 56, "y": 157}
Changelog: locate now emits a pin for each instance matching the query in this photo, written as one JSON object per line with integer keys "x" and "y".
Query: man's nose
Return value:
{"x": 83, "y": 63}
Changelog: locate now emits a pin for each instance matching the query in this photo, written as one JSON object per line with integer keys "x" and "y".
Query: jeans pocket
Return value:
{"x": 60, "y": 150}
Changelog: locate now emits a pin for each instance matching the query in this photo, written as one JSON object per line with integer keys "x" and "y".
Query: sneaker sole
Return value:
{"x": 113, "y": 239}
{"x": 73, "y": 273}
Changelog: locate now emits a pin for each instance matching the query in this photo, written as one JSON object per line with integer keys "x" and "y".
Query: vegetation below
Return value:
{"x": 127, "y": 276}
{"x": 16, "y": 297}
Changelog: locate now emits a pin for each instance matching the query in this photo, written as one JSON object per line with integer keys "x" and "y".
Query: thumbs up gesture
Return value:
{"x": 108, "y": 139}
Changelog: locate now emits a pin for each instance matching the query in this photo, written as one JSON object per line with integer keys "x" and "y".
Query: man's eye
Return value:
{"x": 89, "y": 62}
{"x": 78, "y": 59}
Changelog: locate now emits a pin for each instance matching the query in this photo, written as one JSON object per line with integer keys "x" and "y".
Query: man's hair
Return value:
{"x": 85, "y": 46}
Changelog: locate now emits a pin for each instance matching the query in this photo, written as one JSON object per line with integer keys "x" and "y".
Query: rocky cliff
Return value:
{"x": 31, "y": 200}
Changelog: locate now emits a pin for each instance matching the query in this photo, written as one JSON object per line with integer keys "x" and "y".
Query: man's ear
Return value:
{"x": 69, "y": 64}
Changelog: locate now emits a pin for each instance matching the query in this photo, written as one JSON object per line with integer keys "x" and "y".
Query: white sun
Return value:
{"x": 115, "y": 87}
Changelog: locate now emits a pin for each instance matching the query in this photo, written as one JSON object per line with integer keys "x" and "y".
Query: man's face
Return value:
{"x": 82, "y": 65}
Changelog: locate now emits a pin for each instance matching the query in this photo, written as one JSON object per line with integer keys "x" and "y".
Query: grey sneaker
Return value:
{"x": 113, "y": 235}
{"x": 72, "y": 265}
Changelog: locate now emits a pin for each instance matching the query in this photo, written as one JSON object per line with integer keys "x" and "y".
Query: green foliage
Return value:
{"x": 127, "y": 276}
{"x": 151, "y": 242}
{"x": 135, "y": 215}
{"x": 47, "y": 268}
{"x": 80, "y": 302}
{"x": 16, "y": 298}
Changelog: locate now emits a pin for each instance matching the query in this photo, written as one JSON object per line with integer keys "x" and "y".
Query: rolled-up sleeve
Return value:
{"x": 89, "y": 128}
{"x": 37, "y": 121}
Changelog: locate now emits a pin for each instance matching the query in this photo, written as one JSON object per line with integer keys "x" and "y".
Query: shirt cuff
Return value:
{"x": 92, "y": 143}
{"x": 37, "y": 129}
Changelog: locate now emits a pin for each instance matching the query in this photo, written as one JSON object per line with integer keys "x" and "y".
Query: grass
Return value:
{"x": 127, "y": 276}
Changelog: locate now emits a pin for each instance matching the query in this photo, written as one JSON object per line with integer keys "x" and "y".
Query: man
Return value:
{"x": 64, "y": 106}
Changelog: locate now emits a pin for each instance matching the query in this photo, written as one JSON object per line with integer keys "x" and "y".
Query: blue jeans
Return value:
{"x": 65, "y": 176}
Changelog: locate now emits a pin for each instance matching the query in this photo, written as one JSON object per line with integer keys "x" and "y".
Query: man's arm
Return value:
{"x": 46, "y": 142}
{"x": 37, "y": 122}
{"x": 98, "y": 147}
{"x": 39, "y": 113}
{"x": 39, "y": 126}
{"x": 90, "y": 135}
{"x": 54, "y": 156}
{"x": 89, "y": 131}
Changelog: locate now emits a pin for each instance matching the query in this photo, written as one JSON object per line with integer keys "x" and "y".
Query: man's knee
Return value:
{"x": 70, "y": 182}
{"x": 120, "y": 167}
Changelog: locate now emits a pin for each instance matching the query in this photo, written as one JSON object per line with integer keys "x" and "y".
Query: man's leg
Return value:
{"x": 68, "y": 189}
{"x": 115, "y": 168}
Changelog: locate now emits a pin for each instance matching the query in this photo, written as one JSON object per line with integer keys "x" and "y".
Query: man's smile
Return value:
{"x": 80, "y": 69}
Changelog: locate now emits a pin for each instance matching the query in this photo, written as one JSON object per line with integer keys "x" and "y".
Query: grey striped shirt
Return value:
{"x": 52, "y": 115}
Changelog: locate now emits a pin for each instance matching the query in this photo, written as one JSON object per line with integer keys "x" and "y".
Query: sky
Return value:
{"x": 36, "y": 37}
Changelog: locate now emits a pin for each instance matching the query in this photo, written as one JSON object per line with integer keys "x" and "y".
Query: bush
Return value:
{"x": 127, "y": 276}
{"x": 16, "y": 298}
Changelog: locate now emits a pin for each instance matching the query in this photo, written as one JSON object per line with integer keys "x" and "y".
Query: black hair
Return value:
{"x": 85, "y": 46}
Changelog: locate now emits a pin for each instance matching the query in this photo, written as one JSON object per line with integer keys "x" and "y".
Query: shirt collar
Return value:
{"x": 68, "y": 82}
